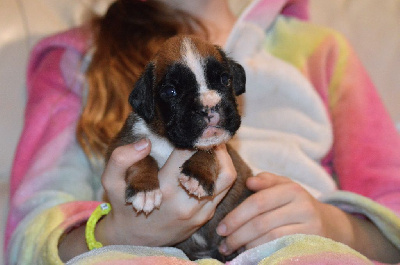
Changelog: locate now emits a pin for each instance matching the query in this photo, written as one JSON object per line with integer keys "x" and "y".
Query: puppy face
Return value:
{"x": 188, "y": 93}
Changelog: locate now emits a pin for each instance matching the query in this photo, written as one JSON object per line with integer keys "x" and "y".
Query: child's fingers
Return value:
{"x": 227, "y": 174}
{"x": 256, "y": 204}
{"x": 121, "y": 159}
{"x": 265, "y": 180}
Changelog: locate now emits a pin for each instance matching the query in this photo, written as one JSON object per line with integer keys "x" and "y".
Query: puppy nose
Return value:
{"x": 213, "y": 119}
{"x": 211, "y": 115}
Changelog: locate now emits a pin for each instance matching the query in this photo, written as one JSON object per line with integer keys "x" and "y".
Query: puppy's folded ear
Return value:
{"x": 237, "y": 71}
{"x": 238, "y": 76}
{"x": 141, "y": 98}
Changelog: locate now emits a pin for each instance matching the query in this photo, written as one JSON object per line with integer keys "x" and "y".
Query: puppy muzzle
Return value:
{"x": 213, "y": 133}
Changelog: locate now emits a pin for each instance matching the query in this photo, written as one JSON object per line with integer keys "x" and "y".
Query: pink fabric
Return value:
{"x": 51, "y": 106}
{"x": 325, "y": 259}
{"x": 296, "y": 8}
{"x": 264, "y": 12}
{"x": 49, "y": 85}
{"x": 366, "y": 141}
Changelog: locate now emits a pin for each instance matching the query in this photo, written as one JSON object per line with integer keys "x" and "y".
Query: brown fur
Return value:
{"x": 204, "y": 164}
{"x": 143, "y": 175}
{"x": 173, "y": 53}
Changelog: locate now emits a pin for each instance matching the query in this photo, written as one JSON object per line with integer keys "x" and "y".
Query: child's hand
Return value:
{"x": 279, "y": 207}
{"x": 282, "y": 207}
{"x": 179, "y": 215}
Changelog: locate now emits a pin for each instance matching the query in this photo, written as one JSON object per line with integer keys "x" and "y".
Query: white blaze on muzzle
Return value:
{"x": 195, "y": 62}
{"x": 212, "y": 135}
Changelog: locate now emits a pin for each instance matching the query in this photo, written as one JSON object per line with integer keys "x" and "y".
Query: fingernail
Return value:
{"x": 223, "y": 248}
{"x": 142, "y": 144}
{"x": 221, "y": 229}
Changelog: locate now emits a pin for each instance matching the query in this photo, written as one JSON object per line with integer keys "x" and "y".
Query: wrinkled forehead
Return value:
{"x": 189, "y": 51}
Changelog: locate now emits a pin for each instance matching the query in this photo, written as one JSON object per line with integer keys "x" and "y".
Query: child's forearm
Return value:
{"x": 370, "y": 241}
{"x": 363, "y": 236}
{"x": 73, "y": 244}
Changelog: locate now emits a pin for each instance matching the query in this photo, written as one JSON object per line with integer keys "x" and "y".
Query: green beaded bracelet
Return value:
{"x": 101, "y": 210}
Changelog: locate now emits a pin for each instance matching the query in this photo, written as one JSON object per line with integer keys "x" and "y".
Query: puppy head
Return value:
{"x": 187, "y": 93}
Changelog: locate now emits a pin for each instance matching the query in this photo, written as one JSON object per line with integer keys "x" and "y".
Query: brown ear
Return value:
{"x": 141, "y": 97}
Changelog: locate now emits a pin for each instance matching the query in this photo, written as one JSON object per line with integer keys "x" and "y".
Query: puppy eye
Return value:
{"x": 225, "y": 79}
{"x": 168, "y": 91}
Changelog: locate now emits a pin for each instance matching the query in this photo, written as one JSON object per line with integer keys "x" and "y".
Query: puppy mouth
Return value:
{"x": 212, "y": 135}
{"x": 212, "y": 131}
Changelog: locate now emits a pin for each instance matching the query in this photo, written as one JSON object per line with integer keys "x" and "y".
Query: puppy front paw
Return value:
{"x": 192, "y": 186}
{"x": 144, "y": 201}
{"x": 143, "y": 188}
{"x": 199, "y": 173}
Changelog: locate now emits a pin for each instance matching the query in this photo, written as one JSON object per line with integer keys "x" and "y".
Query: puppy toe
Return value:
{"x": 137, "y": 201}
{"x": 146, "y": 201}
{"x": 193, "y": 186}
{"x": 157, "y": 198}
{"x": 153, "y": 200}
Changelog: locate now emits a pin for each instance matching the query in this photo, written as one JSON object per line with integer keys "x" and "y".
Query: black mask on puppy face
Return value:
{"x": 191, "y": 101}
{"x": 141, "y": 97}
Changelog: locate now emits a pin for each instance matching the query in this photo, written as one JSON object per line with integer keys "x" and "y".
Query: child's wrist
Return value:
{"x": 72, "y": 244}
{"x": 102, "y": 232}
{"x": 343, "y": 233}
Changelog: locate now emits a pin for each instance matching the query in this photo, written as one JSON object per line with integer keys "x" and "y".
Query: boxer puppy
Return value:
{"x": 186, "y": 98}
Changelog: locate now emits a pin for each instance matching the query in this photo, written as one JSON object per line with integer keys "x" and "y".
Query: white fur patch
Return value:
{"x": 192, "y": 59}
{"x": 161, "y": 148}
{"x": 192, "y": 186}
{"x": 201, "y": 241}
{"x": 146, "y": 201}
{"x": 210, "y": 98}
{"x": 204, "y": 143}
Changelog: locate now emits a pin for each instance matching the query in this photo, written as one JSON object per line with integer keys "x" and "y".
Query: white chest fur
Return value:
{"x": 161, "y": 148}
